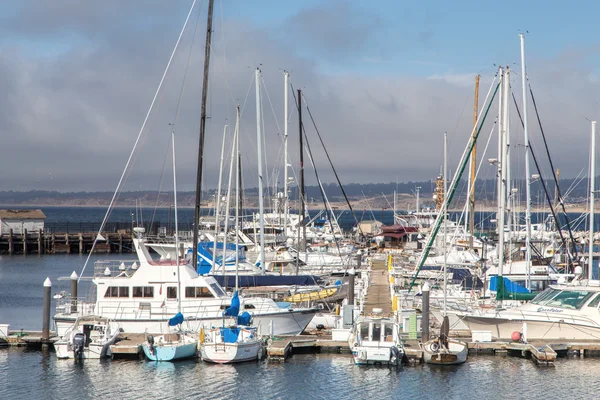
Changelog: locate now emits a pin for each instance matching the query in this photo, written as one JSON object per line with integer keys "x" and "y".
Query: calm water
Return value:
{"x": 34, "y": 374}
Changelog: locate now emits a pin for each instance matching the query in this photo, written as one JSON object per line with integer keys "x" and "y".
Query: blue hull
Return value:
{"x": 171, "y": 352}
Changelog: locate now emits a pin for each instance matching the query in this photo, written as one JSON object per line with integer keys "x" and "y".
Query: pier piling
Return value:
{"x": 24, "y": 241}
{"x": 425, "y": 316}
{"x": 74, "y": 292}
{"x": 46, "y": 315}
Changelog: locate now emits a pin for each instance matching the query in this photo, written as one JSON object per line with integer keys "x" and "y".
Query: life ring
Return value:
{"x": 435, "y": 347}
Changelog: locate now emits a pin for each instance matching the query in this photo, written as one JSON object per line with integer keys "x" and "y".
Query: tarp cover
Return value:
{"x": 244, "y": 318}
{"x": 176, "y": 320}
{"x": 234, "y": 309}
{"x": 230, "y": 335}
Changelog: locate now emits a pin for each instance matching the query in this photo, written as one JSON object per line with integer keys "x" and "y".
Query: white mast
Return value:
{"x": 444, "y": 211}
{"x": 218, "y": 202}
{"x": 286, "y": 76}
{"x": 592, "y": 197}
{"x": 176, "y": 225}
{"x": 228, "y": 202}
{"x": 260, "y": 174}
{"x": 504, "y": 165}
{"x": 237, "y": 196}
{"x": 527, "y": 171}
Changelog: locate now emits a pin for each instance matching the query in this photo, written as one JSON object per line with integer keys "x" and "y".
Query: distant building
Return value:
{"x": 19, "y": 220}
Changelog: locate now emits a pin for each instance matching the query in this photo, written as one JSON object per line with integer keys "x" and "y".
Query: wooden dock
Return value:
{"x": 128, "y": 345}
{"x": 378, "y": 294}
{"x": 26, "y": 338}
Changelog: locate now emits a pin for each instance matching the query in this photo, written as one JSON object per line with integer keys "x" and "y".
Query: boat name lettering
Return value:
{"x": 556, "y": 310}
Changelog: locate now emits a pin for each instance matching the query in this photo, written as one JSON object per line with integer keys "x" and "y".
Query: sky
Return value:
{"x": 383, "y": 81}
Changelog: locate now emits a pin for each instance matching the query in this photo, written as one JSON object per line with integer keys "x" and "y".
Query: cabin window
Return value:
{"x": 117, "y": 291}
{"x": 143, "y": 291}
{"x": 595, "y": 302}
{"x": 376, "y": 332}
{"x": 364, "y": 332}
{"x": 218, "y": 290}
{"x": 569, "y": 299}
{"x": 171, "y": 292}
{"x": 193, "y": 292}
{"x": 545, "y": 296}
{"x": 249, "y": 307}
{"x": 388, "y": 332}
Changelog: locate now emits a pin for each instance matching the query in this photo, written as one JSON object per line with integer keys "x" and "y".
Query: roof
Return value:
{"x": 22, "y": 214}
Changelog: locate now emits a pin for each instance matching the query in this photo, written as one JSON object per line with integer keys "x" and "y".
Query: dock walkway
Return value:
{"x": 378, "y": 295}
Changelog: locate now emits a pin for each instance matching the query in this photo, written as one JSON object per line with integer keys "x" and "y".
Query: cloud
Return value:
{"x": 76, "y": 112}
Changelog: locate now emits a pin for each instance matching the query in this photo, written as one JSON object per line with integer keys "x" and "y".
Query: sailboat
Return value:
{"x": 443, "y": 350}
{"x": 180, "y": 344}
{"x": 239, "y": 341}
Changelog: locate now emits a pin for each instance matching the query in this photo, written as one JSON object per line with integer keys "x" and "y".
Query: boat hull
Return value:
{"x": 456, "y": 353}
{"x": 64, "y": 350}
{"x": 226, "y": 353}
{"x": 171, "y": 351}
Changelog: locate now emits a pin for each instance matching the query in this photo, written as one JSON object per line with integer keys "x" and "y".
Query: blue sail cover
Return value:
{"x": 205, "y": 255}
{"x": 244, "y": 318}
{"x": 267, "y": 280}
{"x": 176, "y": 320}
{"x": 234, "y": 309}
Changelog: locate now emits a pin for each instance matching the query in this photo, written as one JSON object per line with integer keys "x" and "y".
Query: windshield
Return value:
{"x": 573, "y": 299}
{"x": 218, "y": 290}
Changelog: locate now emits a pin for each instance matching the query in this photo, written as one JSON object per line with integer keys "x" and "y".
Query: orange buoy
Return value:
{"x": 515, "y": 336}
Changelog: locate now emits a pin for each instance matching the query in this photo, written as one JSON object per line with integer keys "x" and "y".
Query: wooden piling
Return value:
{"x": 67, "y": 243}
{"x": 46, "y": 314}
{"x": 120, "y": 243}
{"x": 80, "y": 243}
{"x": 40, "y": 241}
{"x": 24, "y": 242}
{"x": 53, "y": 241}
{"x": 11, "y": 249}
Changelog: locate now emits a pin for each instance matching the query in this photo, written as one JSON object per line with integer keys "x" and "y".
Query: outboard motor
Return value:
{"x": 150, "y": 340}
{"x": 78, "y": 345}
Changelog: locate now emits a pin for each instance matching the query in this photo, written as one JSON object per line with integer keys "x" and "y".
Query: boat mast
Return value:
{"x": 301, "y": 178}
{"x": 502, "y": 169}
{"x": 176, "y": 223}
{"x": 444, "y": 215}
{"x": 527, "y": 172}
{"x": 228, "y": 202}
{"x": 218, "y": 201}
{"x": 473, "y": 166}
{"x": 286, "y": 77}
{"x": 237, "y": 195}
{"x": 592, "y": 197}
{"x": 259, "y": 142}
{"x": 202, "y": 133}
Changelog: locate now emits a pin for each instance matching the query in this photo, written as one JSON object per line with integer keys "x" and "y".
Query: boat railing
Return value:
{"x": 550, "y": 316}
{"x": 80, "y": 306}
{"x": 115, "y": 268}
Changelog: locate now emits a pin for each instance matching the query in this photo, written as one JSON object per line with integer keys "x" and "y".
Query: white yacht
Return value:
{"x": 142, "y": 295}
{"x": 88, "y": 337}
{"x": 564, "y": 311}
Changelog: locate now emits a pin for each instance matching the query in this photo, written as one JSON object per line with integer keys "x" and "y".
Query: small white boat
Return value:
{"x": 448, "y": 352}
{"x": 238, "y": 342}
{"x": 173, "y": 346}
{"x": 376, "y": 340}
{"x": 89, "y": 337}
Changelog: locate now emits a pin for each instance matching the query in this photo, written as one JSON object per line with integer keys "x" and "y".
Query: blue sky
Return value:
{"x": 77, "y": 78}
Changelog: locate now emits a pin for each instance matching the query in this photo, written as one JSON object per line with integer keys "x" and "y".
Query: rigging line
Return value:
{"x": 331, "y": 163}
{"x": 560, "y": 197}
{"x": 544, "y": 186}
{"x": 137, "y": 140}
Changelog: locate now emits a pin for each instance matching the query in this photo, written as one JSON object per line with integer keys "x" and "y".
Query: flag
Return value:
{"x": 163, "y": 304}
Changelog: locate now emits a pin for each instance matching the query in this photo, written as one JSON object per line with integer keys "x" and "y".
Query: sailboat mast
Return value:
{"x": 527, "y": 172}
{"x": 286, "y": 77}
{"x": 202, "y": 133}
{"x": 503, "y": 169}
{"x": 592, "y": 197}
{"x": 218, "y": 201}
{"x": 473, "y": 166}
{"x": 259, "y": 142}
{"x": 237, "y": 195}
{"x": 445, "y": 216}
{"x": 176, "y": 224}
{"x": 301, "y": 178}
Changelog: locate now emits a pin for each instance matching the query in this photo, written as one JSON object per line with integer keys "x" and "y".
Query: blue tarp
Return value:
{"x": 244, "y": 318}
{"x": 508, "y": 285}
{"x": 176, "y": 320}
{"x": 228, "y": 281}
{"x": 234, "y": 309}
{"x": 230, "y": 335}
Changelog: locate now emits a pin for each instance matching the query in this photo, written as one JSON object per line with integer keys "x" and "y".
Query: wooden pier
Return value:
{"x": 64, "y": 243}
{"x": 378, "y": 295}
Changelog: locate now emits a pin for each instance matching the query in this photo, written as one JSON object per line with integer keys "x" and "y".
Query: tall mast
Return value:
{"x": 286, "y": 77}
{"x": 237, "y": 196}
{"x": 504, "y": 169}
{"x": 444, "y": 215}
{"x": 202, "y": 133}
{"x": 301, "y": 178}
{"x": 259, "y": 142}
{"x": 218, "y": 201}
{"x": 527, "y": 172}
{"x": 592, "y": 197}
{"x": 176, "y": 225}
{"x": 473, "y": 166}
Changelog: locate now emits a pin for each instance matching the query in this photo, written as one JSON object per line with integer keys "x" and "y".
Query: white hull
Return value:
{"x": 225, "y": 353}
{"x": 456, "y": 353}
{"x": 65, "y": 350}
{"x": 285, "y": 323}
